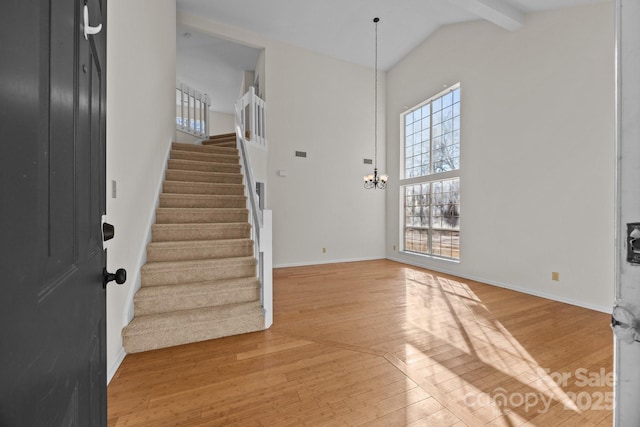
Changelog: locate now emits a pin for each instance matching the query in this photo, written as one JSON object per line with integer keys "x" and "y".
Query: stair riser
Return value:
{"x": 156, "y": 278}
{"x": 203, "y": 157}
{"x": 219, "y": 144}
{"x": 203, "y": 166}
{"x": 221, "y": 139}
{"x": 199, "y": 188}
{"x": 189, "y": 176}
{"x": 160, "y": 255}
{"x": 150, "y": 305}
{"x": 195, "y": 217}
{"x": 160, "y": 234}
{"x": 194, "y": 202}
{"x": 163, "y": 338}
{"x": 207, "y": 149}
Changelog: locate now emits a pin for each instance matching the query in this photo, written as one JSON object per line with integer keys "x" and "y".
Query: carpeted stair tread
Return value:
{"x": 169, "y": 329}
{"x": 175, "y": 272}
{"x": 176, "y": 200}
{"x": 200, "y": 249}
{"x": 204, "y": 157}
{"x": 196, "y": 165}
{"x": 204, "y": 148}
{"x": 162, "y": 299}
{"x": 182, "y": 232}
{"x": 202, "y": 188}
{"x": 217, "y": 140}
{"x": 200, "y": 176}
{"x": 200, "y": 215}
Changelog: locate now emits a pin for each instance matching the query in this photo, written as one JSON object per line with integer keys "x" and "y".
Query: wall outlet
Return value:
{"x": 394, "y": 247}
{"x": 555, "y": 276}
{"x": 324, "y": 250}
{"x": 114, "y": 189}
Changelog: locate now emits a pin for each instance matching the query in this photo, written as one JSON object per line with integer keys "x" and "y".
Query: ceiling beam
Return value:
{"x": 497, "y": 11}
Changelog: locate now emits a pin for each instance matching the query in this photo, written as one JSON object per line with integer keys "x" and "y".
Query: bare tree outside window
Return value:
{"x": 431, "y": 149}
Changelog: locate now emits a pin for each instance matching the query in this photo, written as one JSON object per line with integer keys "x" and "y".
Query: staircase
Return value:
{"x": 200, "y": 280}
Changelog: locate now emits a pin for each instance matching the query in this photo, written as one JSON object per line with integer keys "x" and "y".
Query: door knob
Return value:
{"x": 120, "y": 276}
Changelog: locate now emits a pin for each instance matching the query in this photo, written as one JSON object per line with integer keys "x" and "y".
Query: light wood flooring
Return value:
{"x": 379, "y": 343}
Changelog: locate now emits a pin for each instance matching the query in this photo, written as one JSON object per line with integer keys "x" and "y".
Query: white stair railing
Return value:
{"x": 253, "y": 118}
{"x": 260, "y": 219}
{"x": 192, "y": 111}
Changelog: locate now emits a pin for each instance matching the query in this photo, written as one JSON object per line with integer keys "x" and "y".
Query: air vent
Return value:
{"x": 301, "y": 154}
{"x": 368, "y": 161}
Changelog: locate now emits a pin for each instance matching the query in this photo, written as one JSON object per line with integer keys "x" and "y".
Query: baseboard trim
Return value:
{"x": 332, "y": 261}
{"x": 507, "y": 286}
{"x": 115, "y": 365}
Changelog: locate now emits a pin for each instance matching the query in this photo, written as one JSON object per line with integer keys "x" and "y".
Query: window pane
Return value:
{"x": 408, "y": 118}
{"x": 409, "y": 129}
{"x": 426, "y": 110}
{"x": 446, "y": 244}
{"x": 456, "y": 95}
{"x": 426, "y": 123}
{"x": 436, "y": 117}
{"x": 447, "y": 100}
{"x": 447, "y": 113}
{"x": 436, "y": 104}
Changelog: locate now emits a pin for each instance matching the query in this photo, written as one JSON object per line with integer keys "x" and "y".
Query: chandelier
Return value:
{"x": 374, "y": 180}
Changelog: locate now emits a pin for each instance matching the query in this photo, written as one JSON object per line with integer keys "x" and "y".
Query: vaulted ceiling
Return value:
{"x": 344, "y": 29}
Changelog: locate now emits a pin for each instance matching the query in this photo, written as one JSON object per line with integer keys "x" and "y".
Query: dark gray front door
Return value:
{"x": 52, "y": 197}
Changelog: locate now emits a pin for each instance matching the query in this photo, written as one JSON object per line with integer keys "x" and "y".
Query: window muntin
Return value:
{"x": 432, "y": 136}
{"x": 431, "y": 220}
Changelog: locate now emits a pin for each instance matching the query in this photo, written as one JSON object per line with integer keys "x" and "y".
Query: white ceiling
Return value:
{"x": 213, "y": 66}
{"x": 344, "y": 29}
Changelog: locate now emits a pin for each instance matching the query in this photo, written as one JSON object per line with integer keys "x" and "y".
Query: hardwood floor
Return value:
{"x": 379, "y": 343}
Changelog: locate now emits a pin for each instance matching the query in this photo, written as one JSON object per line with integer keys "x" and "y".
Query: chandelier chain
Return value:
{"x": 375, "y": 150}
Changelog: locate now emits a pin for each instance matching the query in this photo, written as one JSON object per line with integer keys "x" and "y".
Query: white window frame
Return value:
{"x": 428, "y": 178}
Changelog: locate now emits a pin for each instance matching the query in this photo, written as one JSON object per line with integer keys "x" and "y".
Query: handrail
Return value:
{"x": 259, "y": 219}
{"x": 250, "y": 186}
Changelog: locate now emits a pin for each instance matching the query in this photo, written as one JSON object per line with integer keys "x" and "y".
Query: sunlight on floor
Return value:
{"x": 476, "y": 359}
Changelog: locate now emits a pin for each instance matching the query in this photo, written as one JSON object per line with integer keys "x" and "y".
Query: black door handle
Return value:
{"x": 120, "y": 276}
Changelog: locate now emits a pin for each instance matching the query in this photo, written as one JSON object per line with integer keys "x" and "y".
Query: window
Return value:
{"x": 431, "y": 183}
{"x": 192, "y": 110}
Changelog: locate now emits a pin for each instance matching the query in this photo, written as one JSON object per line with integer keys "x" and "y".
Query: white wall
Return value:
{"x": 140, "y": 67}
{"x": 537, "y": 157}
{"x": 325, "y": 107}
{"x": 221, "y": 123}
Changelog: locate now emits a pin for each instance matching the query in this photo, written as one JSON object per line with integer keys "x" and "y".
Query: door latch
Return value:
{"x": 633, "y": 243}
